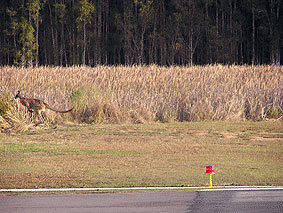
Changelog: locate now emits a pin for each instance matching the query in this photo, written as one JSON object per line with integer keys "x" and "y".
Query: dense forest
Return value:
{"x": 164, "y": 32}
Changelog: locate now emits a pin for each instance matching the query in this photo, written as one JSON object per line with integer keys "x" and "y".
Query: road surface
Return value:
{"x": 178, "y": 201}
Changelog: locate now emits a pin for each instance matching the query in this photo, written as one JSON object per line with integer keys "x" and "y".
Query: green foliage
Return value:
{"x": 86, "y": 9}
{"x": 23, "y": 32}
{"x": 13, "y": 25}
{"x": 82, "y": 99}
{"x": 4, "y": 104}
{"x": 78, "y": 96}
{"x": 26, "y": 54}
{"x": 8, "y": 115}
{"x": 81, "y": 96}
{"x": 91, "y": 106}
{"x": 146, "y": 10}
{"x": 33, "y": 7}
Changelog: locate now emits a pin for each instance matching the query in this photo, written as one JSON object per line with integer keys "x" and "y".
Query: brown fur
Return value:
{"x": 37, "y": 106}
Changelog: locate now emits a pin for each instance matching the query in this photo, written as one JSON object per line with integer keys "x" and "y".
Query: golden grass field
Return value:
{"x": 142, "y": 126}
{"x": 140, "y": 94}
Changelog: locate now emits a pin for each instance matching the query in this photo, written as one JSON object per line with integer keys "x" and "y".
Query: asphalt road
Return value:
{"x": 180, "y": 201}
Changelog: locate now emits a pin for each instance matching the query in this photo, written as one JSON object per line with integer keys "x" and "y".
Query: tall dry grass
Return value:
{"x": 147, "y": 93}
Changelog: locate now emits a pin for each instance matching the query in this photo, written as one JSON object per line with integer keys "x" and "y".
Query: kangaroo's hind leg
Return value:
{"x": 30, "y": 116}
{"x": 35, "y": 117}
{"x": 41, "y": 116}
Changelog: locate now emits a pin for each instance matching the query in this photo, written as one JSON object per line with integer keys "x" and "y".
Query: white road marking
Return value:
{"x": 240, "y": 189}
{"x": 203, "y": 188}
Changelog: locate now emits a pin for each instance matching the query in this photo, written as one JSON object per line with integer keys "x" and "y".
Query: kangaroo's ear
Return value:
{"x": 18, "y": 94}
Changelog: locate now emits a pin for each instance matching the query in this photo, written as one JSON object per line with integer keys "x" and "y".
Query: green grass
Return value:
{"x": 151, "y": 154}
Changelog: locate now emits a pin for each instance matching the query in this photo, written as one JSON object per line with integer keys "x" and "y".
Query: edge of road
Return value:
{"x": 202, "y": 188}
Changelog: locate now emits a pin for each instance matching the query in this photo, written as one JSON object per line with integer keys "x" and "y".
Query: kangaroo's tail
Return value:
{"x": 56, "y": 110}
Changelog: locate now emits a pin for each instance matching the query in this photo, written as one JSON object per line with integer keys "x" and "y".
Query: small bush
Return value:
{"x": 9, "y": 116}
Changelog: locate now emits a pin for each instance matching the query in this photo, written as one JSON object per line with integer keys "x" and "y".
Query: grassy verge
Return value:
{"x": 151, "y": 154}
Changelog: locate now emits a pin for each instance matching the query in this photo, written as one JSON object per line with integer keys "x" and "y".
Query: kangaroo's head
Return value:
{"x": 18, "y": 95}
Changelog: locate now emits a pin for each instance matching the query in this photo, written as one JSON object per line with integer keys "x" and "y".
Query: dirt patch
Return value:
{"x": 268, "y": 137}
{"x": 259, "y": 138}
{"x": 229, "y": 135}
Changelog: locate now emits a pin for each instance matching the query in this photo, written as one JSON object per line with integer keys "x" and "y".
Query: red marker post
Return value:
{"x": 210, "y": 171}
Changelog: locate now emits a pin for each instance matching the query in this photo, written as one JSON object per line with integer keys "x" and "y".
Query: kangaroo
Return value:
{"x": 37, "y": 106}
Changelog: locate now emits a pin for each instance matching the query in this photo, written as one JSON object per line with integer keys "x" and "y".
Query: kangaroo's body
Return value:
{"x": 37, "y": 106}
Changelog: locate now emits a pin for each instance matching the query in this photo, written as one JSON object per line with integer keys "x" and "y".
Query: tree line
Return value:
{"x": 164, "y": 32}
